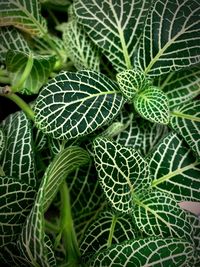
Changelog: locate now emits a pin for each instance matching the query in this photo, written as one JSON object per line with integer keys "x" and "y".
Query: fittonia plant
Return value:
{"x": 93, "y": 170}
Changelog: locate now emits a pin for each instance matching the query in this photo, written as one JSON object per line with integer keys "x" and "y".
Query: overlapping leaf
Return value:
{"x": 158, "y": 214}
{"x": 175, "y": 169}
{"x": 75, "y": 104}
{"x": 115, "y": 26}
{"x": 38, "y": 72}
{"x": 81, "y": 49}
{"x": 145, "y": 252}
{"x": 171, "y": 38}
{"x": 11, "y": 39}
{"x": 23, "y": 14}
{"x": 181, "y": 86}
{"x": 16, "y": 201}
{"x": 122, "y": 171}
{"x": 152, "y": 104}
{"x": 18, "y": 159}
{"x": 185, "y": 120}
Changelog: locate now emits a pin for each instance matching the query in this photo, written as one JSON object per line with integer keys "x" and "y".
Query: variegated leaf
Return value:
{"x": 2, "y": 143}
{"x": 185, "y": 120}
{"x": 175, "y": 169}
{"x": 16, "y": 200}
{"x": 76, "y": 104}
{"x": 149, "y": 252}
{"x": 23, "y": 14}
{"x": 152, "y": 104}
{"x": 171, "y": 38}
{"x": 158, "y": 214}
{"x": 131, "y": 81}
{"x": 115, "y": 26}
{"x": 38, "y": 68}
{"x": 122, "y": 171}
{"x": 11, "y": 39}
{"x": 181, "y": 86}
{"x": 108, "y": 229}
{"x": 18, "y": 160}
{"x": 81, "y": 49}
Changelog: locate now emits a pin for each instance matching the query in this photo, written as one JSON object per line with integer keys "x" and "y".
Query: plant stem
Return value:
{"x": 19, "y": 101}
{"x": 67, "y": 226}
{"x": 4, "y": 79}
{"x": 112, "y": 229}
{"x": 51, "y": 227}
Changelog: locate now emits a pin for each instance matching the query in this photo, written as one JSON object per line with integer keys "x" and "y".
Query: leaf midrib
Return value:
{"x": 185, "y": 116}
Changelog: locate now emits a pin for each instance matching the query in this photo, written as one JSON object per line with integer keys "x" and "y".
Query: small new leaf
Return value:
{"x": 152, "y": 105}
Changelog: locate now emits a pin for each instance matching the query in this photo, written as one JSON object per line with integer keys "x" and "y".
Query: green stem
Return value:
{"x": 112, "y": 229}
{"x": 67, "y": 226}
{"x": 24, "y": 75}
{"x": 4, "y": 80}
{"x": 21, "y": 103}
{"x": 51, "y": 227}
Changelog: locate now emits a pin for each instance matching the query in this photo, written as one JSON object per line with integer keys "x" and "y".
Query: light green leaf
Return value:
{"x": 152, "y": 104}
{"x": 122, "y": 172}
{"x": 23, "y": 14}
{"x": 81, "y": 50}
{"x": 181, "y": 86}
{"x": 18, "y": 160}
{"x": 35, "y": 74}
{"x": 175, "y": 169}
{"x": 108, "y": 229}
{"x": 16, "y": 200}
{"x": 158, "y": 214}
{"x": 131, "y": 81}
{"x": 140, "y": 134}
{"x": 64, "y": 163}
{"x": 76, "y": 104}
{"x": 185, "y": 120}
{"x": 171, "y": 38}
{"x": 11, "y": 39}
{"x": 2, "y": 142}
{"x": 115, "y": 26}
{"x": 149, "y": 252}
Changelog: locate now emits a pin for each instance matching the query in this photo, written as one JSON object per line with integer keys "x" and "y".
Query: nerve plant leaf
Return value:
{"x": 149, "y": 252}
{"x": 2, "y": 142}
{"x": 152, "y": 104}
{"x": 181, "y": 86}
{"x": 122, "y": 172}
{"x": 158, "y": 214}
{"x": 171, "y": 38}
{"x": 23, "y": 14}
{"x": 16, "y": 201}
{"x": 115, "y": 26}
{"x": 11, "y": 39}
{"x": 175, "y": 169}
{"x": 76, "y": 104}
{"x": 18, "y": 160}
{"x": 81, "y": 49}
{"x": 37, "y": 74}
{"x": 185, "y": 120}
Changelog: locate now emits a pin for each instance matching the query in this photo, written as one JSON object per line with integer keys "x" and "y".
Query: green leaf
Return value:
{"x": 141, "y": 134}
{"x": 24, "y": 15}
{"x": 76, "y": 104}
{"x": 152, "y": 104}
{"x": 81, "y": 50}
{"x": 131, "y": 81}
{"x": 16, "y": 201}
{"x": 108, "y": 229}
{"x": 181, "y": 86}
{"x": 171, "y": 37}
{"x": 175, "y": 169}
{"x": 2, "y": 143}
{"x": 149, "y": 252}
{"x": 11, "y": 39}
{"x": 64, "y": 163}
{"x": 122, "y": 172}
{"x": 158, "y": 214}
{"x": 185, "y": 120}
{"x": 115, "y": 26}
{"x": 34, "y": 76}
{"x": 18, "y": 160}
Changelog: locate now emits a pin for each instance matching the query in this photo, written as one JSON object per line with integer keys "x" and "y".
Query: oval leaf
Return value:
{"x": 76, "y": 104}
{"x": 152, "y": 104}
